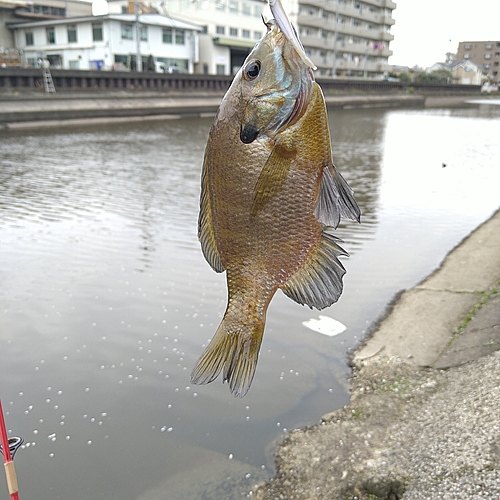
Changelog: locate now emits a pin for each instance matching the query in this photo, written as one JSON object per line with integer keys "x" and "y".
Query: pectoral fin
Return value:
{"x": 205, "y": 228}
{"x": 335, "y": 199}
{"x": 272, "y": 176}
{"x": 319, "y": 282}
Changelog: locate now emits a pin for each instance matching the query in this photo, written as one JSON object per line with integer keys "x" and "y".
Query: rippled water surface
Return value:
{"x": 106, "y": 301}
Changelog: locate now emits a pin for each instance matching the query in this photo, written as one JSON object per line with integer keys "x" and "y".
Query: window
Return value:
{"x": 220, "y": 30}
{"x": 29, "y": 38}
{"x": 97, "y": 32}
{"x": 220, "y": 4}
{"x": 180, "y": 37}
{"x": 257, "y": 35}
{"x": 233, "y": 7}
{"x": 468, "y": 46}
{"x": 233, "y": 31}
{"x": 246, "y": 9}
{"x": 72, "y": 33}
{"x": 144, "y": 33}
{"x": 220, "y": 69}
{"x": 245, "y": 33}
{"x": 121, "y": 59}
{"x": 487, "y": 56}
{"x": 74, "y": 64}
{"x": 167, "y": 35}
{"x": 51, "y": 35}
{"x": 127, "y": 31}
{"x": 489, "y": 46}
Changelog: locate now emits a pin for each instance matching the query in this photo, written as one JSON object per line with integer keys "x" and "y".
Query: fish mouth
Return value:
{"x": 248, "y": 133}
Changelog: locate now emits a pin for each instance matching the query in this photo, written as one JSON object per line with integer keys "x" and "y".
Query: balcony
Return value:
{"x": 388, "y": 21}
{"x": 317, "y": 42}
{"x": 386, "y": 37}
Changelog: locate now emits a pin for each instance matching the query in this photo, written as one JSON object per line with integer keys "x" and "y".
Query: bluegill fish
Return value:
{"x": 270, "y": 198}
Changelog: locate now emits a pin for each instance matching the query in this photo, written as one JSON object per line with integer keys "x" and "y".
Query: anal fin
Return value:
{"x": 318, "y": 283}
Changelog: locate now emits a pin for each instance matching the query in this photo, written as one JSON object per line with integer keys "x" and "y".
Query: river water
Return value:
{"x": 106, "y": 301}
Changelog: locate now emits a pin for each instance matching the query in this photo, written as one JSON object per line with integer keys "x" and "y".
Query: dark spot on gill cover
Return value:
{"x": 248, "y": 134}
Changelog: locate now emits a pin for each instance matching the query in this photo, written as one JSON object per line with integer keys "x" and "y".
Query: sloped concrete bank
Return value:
{"x": 28, "y": 110}
{"x": 424, "y": 418}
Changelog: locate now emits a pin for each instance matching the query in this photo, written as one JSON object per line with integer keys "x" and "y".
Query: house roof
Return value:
{"x": 150, "y": 19}
{"x": 454, "y": 65}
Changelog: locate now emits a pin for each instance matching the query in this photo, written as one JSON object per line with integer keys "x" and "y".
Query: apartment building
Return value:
{"x": 346, "y": 38}
{"x": 484, "y": 54}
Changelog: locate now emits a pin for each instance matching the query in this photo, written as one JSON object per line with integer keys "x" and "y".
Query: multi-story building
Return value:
{"x": 230, "y": 29}
{"x": 110, "y": 42}
{"x": 17, "y": 11}
{"x": 484, "y": 54}
{"x": 348, "y": 38}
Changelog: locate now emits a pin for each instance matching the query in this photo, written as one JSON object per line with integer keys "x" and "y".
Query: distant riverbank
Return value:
{"x": 27, "y": 109}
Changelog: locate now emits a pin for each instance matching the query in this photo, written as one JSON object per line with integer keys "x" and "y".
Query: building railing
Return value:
{"x": 32, "y": 79}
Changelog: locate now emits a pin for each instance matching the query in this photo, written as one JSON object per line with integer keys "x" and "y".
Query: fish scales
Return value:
{"x": 268, "y": 189}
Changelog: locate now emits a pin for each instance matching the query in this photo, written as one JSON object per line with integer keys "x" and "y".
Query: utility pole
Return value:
{"x": 138, "y": 62}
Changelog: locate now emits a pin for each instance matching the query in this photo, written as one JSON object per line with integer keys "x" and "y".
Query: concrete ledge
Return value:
{"x": 419, "y": 327}
{"x": 53, "y": 109}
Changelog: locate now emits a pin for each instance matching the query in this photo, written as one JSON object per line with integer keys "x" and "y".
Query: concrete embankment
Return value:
{"x": 31, "y": 109}
{"x": 424, "y": 417}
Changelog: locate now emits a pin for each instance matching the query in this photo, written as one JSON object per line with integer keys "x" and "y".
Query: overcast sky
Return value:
{"x": 426, "y": 29}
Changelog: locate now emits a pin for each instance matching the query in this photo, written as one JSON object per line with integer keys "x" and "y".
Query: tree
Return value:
{"x": 438, "y": 76}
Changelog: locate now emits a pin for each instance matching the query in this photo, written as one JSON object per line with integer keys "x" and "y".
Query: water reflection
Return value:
{"x": 357, "y": 140}
{"x": 106, "y": 301}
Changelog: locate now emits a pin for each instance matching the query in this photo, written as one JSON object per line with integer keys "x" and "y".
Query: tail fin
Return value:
{"x": 234, "y": 350}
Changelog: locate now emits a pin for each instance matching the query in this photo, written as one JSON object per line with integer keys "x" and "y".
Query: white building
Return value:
{"x": 463, "y": 72}
{"x": 231, "y": 28}
{"x": 108, "y": 42}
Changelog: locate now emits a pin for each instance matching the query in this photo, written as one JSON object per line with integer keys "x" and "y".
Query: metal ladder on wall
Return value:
{"x": 47, "y": 80}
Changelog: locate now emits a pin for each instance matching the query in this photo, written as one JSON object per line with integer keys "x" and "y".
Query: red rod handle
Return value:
{"x": 10, "y": 471}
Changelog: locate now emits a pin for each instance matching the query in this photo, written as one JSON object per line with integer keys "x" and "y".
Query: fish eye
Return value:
{"x": 252, "y": 70}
